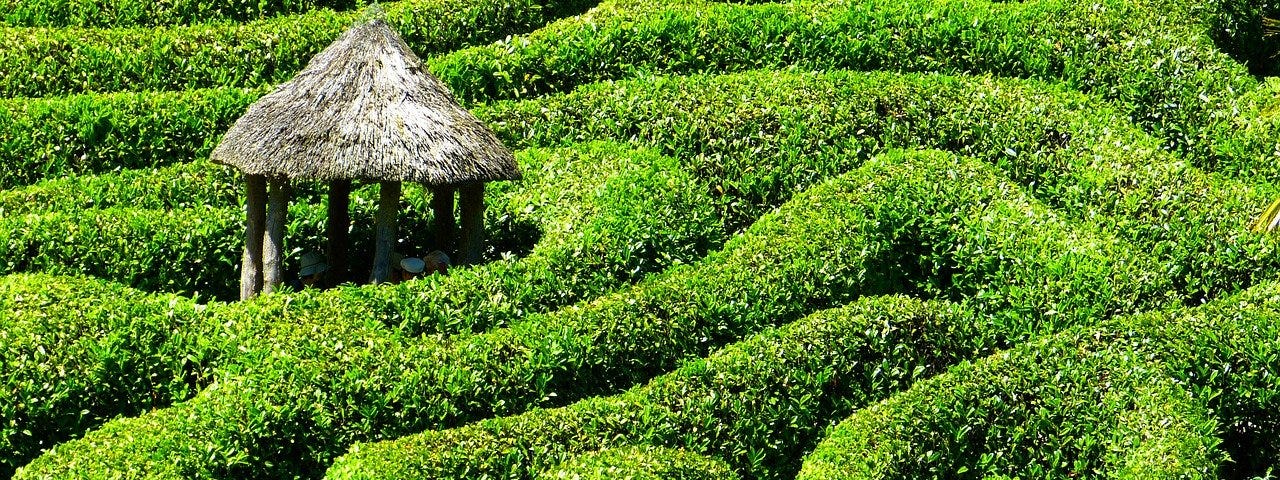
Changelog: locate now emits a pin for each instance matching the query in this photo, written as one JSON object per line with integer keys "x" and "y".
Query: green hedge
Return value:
{"x": 50, "y": 138}
{"x": 124, "y": 354}
{"x": 187, "y": 250}
{"x": 128, "y": 13}
{"x": 184, "y": 185}
{"x": 1056, "y": 408}
{"x": 641, "y": 463}
{"x": 1221, "y": 356}
{"x": 350, "y": 381}
{"x": 1155, "y": 61}
{"x": 41, "y": 62}
{"x": 607, "y": 215}
{"x": 1246, "y": 145}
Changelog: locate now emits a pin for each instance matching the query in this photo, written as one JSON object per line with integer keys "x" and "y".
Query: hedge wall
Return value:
{"x": 1056, "y": 408}
{"x": 129, "y": 13}
{"x": 1155, "y": 61}
{"x": 581, "y": 200}
{"x": 641, "y": 463}
{"x": 77, "y": 352}
{"x": 41, "y": 62}
{"x": 844, "y": 239}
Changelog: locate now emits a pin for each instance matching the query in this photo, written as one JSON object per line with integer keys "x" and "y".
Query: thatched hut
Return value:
{"x": 365, "y": 108}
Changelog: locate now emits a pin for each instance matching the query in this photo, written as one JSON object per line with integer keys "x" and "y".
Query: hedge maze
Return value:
{"x": 808, "y": 239}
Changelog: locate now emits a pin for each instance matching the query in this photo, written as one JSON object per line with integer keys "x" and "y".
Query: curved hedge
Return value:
{"x": 127, "y": 13}
{"x": 49, "y": 138}
{"x": 124, "y": 354}
{"x": 180, "y": 186}
{"x": 1051, "y": 409}
{"x": 1155, "y": 61}
{"x": 840, "y": 240}
{"x": 609, "y": 216}
{"x": 641, "y": 463}
{"x": 41, "y": 62}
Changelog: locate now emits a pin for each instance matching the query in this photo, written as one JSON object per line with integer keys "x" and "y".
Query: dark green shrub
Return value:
{"x": 40, "y": 62}
{"x": 180, "y": 186}
{"x": 641, "y": 463}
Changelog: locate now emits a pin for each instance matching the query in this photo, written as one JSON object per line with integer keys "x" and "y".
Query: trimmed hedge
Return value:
{"x": 188, "y": 250}
{"x": 125, "y": 353}
{"x": 1246, "y": 145}
{"x": 1155, "y": 61}
{"x": 41, "y": 62}
{"x": 1223, "y": 354}
{"x": 1057, "y": 408}
{"x": 345, "y": 381}
{"x": 641, "y": 463}
{"x": 180, "y": 186}
{"x": 126, "y": 13}
{"x": 753, "y": 137}
{"x": 50, "y": 138}
{"x": 608, "y": 215}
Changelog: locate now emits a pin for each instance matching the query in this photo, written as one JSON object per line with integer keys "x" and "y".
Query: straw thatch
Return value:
{"x": 365, "y": 108}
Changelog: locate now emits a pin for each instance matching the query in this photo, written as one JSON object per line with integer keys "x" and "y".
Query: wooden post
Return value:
{"x": 388, "y": 209}
{"x": 446, "y": 225}
{"x": 273, "y": 242}
{"x": 255, "y": 211}
{"x": 338, "y": 227}
{"x": 471, "y": 200}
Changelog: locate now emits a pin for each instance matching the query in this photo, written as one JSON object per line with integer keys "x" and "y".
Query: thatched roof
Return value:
{"x": 365, "y": 108}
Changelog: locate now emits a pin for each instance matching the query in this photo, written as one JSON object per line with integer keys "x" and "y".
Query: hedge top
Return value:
{"x": 365, "y": 108}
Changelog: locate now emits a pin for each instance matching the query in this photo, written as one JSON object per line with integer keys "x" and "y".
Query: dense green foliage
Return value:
{"x": 641, "y": 463}
{"x": 39, "y": 62}
{"x": 77, "y": 352}
{"x": 717, "y": 198}
{"x": 126, "y": 13}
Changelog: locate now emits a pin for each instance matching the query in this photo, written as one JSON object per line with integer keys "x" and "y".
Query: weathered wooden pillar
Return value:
{"x": 388, "y": 210}
{"x": 446, "y": 225}
{"x": 273, "y": 241}
{"x": 471, "y": 203}
{"x": 338, "y": 226}
{"x": 255, "y": 211}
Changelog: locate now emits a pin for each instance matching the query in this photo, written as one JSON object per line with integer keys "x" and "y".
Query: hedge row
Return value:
{"x": 1223, "y": 354}
{"x": 352, "y": 381}
{"x": 180, "y": 186}
{"x": 1058, "y": 408}
{"x": 753, "y": 136}
{"x": 1246, "y": 145}
{"x": 46, "y": 139}
{"x": 1157, "y": 63}
{"x": 757, "y": 404}
{"x": 641, "y": 463}
{"x": 97, "y": 13}
{"x": 41, "y": 62}
{"x": 187, "y": 250}
{"x": 123, "y": 354}
{"x": 607, "y": 215}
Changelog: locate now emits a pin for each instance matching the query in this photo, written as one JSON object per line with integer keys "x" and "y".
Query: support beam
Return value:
{"x": 255, "y": 212}
{"x": 471, "y": 202}
{"x": 338, "y": 226}
{"x": 446, "y": 226}
{"x": 273, "y": 242}
{"x": 388, "y": 210}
